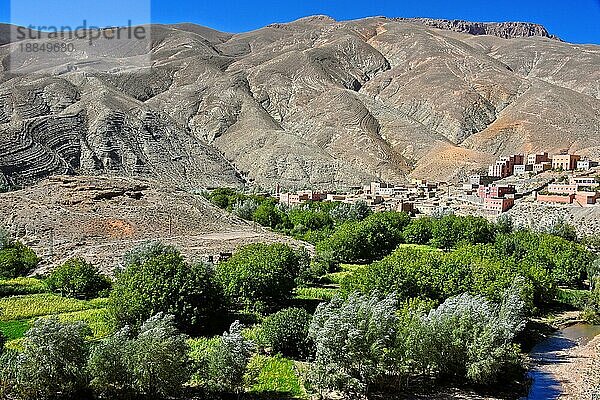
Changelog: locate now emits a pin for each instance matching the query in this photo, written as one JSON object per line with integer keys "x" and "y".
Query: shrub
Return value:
{"x": 156, "y": 279}
{"x": 8, "y": 374}
{"x": 53, "y": 361}
{"x": 152, "y": 363}
{"x": 5, "y": 239}
{"x": 223, "y": 197}
{"x": 222, "y": 363}
{"x": 562, "y": 229}
{"x": 504, "y": 224}
{"x": 16, "y": 260}
{"x": 79, "y": 279}
{"x": 286, "y": 332}
{"x": 111, "y": 376}
{"x": 261, "y": 276}
{"x": 352, "y": 340}
{"x": 245, "y": 209}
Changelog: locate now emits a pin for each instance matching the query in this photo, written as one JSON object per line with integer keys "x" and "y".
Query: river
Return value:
{"x": 552, "y": 351}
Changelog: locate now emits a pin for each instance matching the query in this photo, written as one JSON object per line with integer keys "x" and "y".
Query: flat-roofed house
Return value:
{"x": 566, "y": 162}
{"x": 586, "y": 164}
{"x": 497, "y": 206}
{"x": 538, "y": 158}
{"x": 522, "y": 169}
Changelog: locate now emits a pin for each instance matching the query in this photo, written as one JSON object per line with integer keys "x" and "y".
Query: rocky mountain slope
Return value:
{"x": 314, "y": 102}
{"x": 101, "y": 218}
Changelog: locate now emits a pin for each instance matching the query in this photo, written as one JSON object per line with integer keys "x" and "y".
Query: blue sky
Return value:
{"x": 575, "y": 20}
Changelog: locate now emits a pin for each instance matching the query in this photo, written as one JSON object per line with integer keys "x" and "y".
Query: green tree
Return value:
{"x": 16, "y": 260}
{"x": 286, "y": 332}
{"x": 157, "y": 279}
{"x": 504, "y": 224}
{"x": 151, "y": 364}
{"x": 418, "y": 231}
{"x": 307, "y": 219}
{"x": 261, "y": 276}
{"x": 367, "y": 240}
{"x": 110, "y": 372}
{"x": 344, "y": 212}
{"x": 562, "y": 229}
{"x": 52, "y": 363}
{"x": 451, "y": 230}
{"x": 223, "y": 197}
{"x": 77, "y": 278}
{"x": 222, "y": 366}
{"x": 567, "y": 262}
{"x": 267, "y": 214}
{"x": 353, "y": 338}
{"x": 468, "y": 337}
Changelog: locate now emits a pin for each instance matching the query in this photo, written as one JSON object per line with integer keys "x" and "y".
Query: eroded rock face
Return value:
{"x": 506, "y": 30}
{"x": 312, "y": 103}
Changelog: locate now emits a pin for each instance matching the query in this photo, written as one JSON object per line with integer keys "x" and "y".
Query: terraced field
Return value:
{"x": 17, "y": 313}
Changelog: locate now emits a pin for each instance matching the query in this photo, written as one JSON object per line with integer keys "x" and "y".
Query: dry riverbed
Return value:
{"x": 579, "y": 375}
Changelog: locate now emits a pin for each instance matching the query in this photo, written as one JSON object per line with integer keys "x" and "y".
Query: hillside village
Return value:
{"x": 560, "y": 179}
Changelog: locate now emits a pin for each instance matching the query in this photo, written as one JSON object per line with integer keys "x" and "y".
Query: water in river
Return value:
{"x": 545, "y": 386}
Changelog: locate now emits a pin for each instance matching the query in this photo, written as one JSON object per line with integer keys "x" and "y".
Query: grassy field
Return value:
{"x": 316, "y": 293}
{"x": 22, "y": 286}
{"x": 17, "y": 313}
{"x": 98, "y": 320}
{"x": 37, "y": 305}
{"x": 14, "y": 329}
{"x": 275, "y": 377}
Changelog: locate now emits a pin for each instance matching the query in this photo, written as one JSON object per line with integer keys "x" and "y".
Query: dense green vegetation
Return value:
{"x": 22, "y": 286}
{"x": 432, "y": 298}
{"x": 466, "y": 337}
{"x": 150, "y": 362}
{"x": 156, "y": 279}
{"x": 313, "y": 222}
{"x": 27, "y": 307}
{"x": 51, "y": 364}
{"x": 16, "y": 260}
{"x": 275, "y": 376}
{"x": 78, "y": 279}
{"x": 260, "y": 277}
{"x": 286, "y": 333}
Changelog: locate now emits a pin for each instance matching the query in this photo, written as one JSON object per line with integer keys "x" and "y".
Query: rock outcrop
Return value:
{"x": 505, "y": 30}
